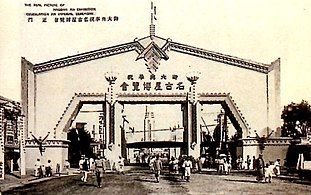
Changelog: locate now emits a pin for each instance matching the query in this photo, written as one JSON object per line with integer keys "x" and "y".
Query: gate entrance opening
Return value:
{"x": 152, "y": 129}
{"x": 138, "y": 125}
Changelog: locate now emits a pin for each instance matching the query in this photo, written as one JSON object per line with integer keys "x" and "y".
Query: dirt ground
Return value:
{"x": 143, "y": 182}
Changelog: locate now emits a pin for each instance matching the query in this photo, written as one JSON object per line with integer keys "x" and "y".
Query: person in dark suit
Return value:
{"x": 260, "y": 167}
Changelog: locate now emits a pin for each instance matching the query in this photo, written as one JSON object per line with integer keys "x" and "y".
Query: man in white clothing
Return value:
{"x": 188, "y": 166}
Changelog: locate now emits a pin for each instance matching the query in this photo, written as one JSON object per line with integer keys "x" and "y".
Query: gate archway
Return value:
{"x": 191, "y": 115}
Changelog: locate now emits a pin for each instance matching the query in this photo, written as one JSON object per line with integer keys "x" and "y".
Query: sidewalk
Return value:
{"x": 14, "y": 180}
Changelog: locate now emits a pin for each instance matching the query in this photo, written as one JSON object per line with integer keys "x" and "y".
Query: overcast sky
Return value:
{"x": 262, "y": 31}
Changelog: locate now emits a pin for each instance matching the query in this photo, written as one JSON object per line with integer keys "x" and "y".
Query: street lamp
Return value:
{"x": 193, "y": 77}
{"x": 111, "y": 77}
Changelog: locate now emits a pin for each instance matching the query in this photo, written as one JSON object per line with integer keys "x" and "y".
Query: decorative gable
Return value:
{"x": 152, "y": 55}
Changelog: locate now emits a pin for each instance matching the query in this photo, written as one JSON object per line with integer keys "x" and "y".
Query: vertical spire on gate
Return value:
{"x": 153, "y": 17}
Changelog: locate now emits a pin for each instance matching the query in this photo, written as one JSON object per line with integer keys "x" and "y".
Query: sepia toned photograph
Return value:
{"x": 155, "y": 97}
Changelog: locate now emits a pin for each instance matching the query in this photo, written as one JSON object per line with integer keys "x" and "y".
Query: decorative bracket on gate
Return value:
{"x": 152, "y": 55}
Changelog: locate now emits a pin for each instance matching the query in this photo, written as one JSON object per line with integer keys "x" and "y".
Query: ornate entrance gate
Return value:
{"x": 143, "y": 80}
{"x": 191, "y": 113}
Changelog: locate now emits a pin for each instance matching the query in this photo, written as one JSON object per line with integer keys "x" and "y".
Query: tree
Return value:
{"x": 297, "y": 120}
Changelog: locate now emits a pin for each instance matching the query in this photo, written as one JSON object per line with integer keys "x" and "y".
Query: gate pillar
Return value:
{"x": 113, "y": 125}
{"x": 193, "y": 138}
{"x": 110, "y": 112}
{"x": 184, "y": 109}
{"x": 119, "y": 130}
{"x": 193, "y": 142}
{"x": 111, "y": 78}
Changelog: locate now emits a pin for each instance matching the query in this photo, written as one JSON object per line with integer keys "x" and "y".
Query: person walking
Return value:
{"x": 260, "y": 165}
{"x": 229, "y": 163}
{"x": 253, "y": 163}
{"x": 277, "y": 167}
{"x": 92, "y": 165}
{"x": 175, "y": 166}
{"x": 151, "y": 163}
{"x": 99, "y": 171}
{"x": 157, "y": 168}
{"x": 200, "y": 164}
{"x": 248, "y": 162}
{"x": 40, "y": 171}
{"x": 182, "y": 169}
{"x": 37, "y": 167}
{"x": 226, "y": 167}
{"x": 57, "y": 170}
{"x": 170, "y": 167}
{"x": 269, "y": 172}
{"x": 121, "y": 165}
{"x": 187, "y": 166}
{"x": 67, "y": 166}
{"x": 48, "y": 169}
{"x": 85, "y": 170}
{"x": 104, "y": 161}
{"x": 81, "y": 161}
{"x": 220, "y": 161}
{"x": 98, "y": 177}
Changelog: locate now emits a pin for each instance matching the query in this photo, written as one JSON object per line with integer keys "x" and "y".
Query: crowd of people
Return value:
{"x": 42, "y": 170}
{"x": 46, "y": 170}
{"x": 98, "y": 167}
{"x": 265, "y": 172}
{"x": 183, "y": 166}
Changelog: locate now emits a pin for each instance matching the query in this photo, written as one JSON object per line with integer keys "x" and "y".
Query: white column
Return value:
{"x": 107, "y": 125}
{"x": 198, "y": 131}
{"x": 118, "y": 125}
{"x": 189, "y": 129}
{"x": 102, "y": 132}
{"x": 193, "y": 143}
{"x": 274, "y": 94}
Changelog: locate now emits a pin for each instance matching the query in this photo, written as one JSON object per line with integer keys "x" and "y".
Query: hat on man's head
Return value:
{"x": 80, "y": 125}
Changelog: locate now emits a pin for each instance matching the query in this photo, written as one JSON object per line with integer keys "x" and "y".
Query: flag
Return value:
{"x": 154, "y": 10}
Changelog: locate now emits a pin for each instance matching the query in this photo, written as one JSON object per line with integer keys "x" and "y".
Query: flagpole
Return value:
{"x": 152, "y": 26}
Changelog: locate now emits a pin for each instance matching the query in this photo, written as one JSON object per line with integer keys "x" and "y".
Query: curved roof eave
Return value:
{"x": 87, "y": 56}
{"x": 139, "y": 48}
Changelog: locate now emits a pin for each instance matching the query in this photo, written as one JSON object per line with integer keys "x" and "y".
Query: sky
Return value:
{"x": 260, "y": 30}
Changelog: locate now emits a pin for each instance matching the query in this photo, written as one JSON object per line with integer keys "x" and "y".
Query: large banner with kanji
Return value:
{"x": 152, "y": 83}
